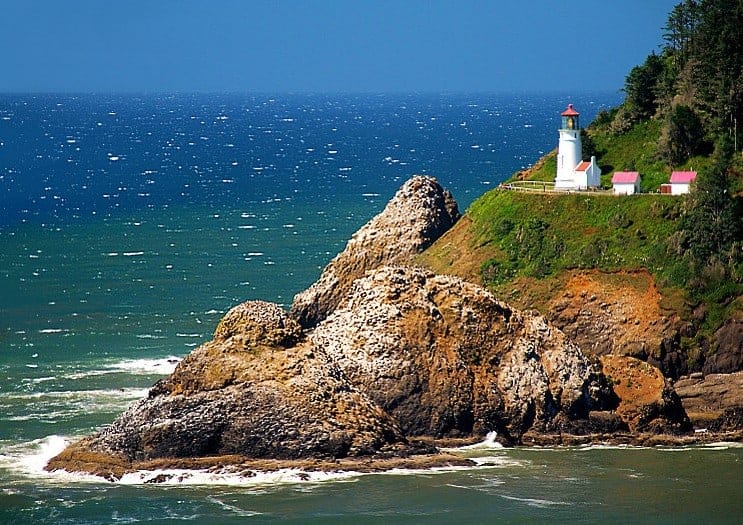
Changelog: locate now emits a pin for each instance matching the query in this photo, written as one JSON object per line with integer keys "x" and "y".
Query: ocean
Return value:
{"x": 129, "y": 224}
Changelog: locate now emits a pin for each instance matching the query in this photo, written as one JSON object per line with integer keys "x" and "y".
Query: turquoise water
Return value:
{"x": 131, "y": 224}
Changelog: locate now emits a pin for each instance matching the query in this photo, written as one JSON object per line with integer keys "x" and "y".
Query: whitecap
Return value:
{"x": 535, "y": 502}
{"x": 132, "y": 254}
{"x": 164, "y": 365}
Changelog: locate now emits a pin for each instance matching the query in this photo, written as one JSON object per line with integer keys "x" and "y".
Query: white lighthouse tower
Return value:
{"x": 569, "y": 149}
{"x": 573, "y": 173}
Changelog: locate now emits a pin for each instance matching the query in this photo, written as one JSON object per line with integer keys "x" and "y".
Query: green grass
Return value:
{"x": 540, "y": 235}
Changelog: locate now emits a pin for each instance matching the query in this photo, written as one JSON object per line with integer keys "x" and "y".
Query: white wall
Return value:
{"x": 624, "y": 189}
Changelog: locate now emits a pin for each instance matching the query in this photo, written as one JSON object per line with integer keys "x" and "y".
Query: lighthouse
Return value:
{"x": 569, "y": 149}
{"x": 572, "y": 172}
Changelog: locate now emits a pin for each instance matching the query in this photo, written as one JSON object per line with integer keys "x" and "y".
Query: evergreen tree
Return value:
{"x": 713, "y": 222}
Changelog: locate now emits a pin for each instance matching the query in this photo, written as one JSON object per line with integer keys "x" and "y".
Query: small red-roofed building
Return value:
{"x": 626, "y": 182}
{"x": 681, "y": 181}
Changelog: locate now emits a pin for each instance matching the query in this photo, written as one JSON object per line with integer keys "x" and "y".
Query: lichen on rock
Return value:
{"x": 243, "y": 394}
{"x": 447, "y": 359}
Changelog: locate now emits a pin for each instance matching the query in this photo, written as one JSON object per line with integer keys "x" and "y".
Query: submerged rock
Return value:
{"x": 419, "y": 213}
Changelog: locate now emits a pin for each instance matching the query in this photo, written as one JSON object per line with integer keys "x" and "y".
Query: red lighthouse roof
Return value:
{"x": 570, "y": 112}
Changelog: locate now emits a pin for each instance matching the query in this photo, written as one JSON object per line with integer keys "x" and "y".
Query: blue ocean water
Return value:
{"x": 130, "y": 224}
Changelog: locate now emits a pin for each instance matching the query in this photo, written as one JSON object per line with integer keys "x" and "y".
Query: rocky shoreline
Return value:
{"x": 381, "y": 365}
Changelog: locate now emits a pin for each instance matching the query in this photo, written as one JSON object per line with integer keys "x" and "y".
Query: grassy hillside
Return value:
{"x": 635, "y": 150}
{"x": 539, "y": 235}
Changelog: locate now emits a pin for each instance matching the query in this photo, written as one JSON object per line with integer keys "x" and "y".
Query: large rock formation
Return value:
{"x": 419, "y": 213}
{"x": 728, "y": 349}
{"x": 448, "y": 359}
{"x": 257, "y": 390}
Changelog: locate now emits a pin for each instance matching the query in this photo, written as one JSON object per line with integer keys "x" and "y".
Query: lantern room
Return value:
{"x": 570, "y": 118}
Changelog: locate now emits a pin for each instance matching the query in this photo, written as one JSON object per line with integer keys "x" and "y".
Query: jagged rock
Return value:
{"x": 244, "y": 394}
{"x": 446, "y": 358}
{"x": 647, "y": 400}
{"x": 419, "y": 213}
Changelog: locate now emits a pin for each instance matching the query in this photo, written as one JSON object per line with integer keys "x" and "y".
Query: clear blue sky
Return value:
{"x": 325, "y": 46}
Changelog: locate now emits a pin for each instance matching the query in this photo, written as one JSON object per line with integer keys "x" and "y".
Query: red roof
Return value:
{"x": 683, "y": 177}
{"x": 583, "y": 166}
{"x": 625, "y": 177}
{"x": 570, "y": 112}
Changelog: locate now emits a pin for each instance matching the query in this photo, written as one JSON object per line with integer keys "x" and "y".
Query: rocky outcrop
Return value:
{"x": 727, "y": 356}
{"x": 247, "y": 393}
{"x": 714, "y": 401}
{"x": 446, "y": 358}
{"x": 419, "y": 213}
{"x": 647, "y": 400}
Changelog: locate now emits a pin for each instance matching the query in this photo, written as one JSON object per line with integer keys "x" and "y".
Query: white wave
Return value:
{"x": 725, "y": 444}
{"x": 150, "y": 336}
{"x": 98, "y": 394}
{"x": 243, "y": 513}
{"x": 54, "y": 330}
{"x": 535, "y": 502}
{"x": 230, "y": 476}
{"x": 132, "y": 254}
{"x": 31, "y": 457}
{"x": 164, "y": 365}
{"x": 487, "y": 444}
{"x": 188, "y": 335}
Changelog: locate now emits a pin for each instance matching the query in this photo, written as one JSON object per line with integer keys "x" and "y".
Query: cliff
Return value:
{"x": 396, "y": 358}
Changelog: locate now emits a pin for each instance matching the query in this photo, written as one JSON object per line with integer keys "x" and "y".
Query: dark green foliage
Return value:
{"x": 641, "y": 88}
{"x": 684, "y": 136}
{"x": 696, "y": 83}
{"x": 712, "y": 225}
{"x": 589, "y": 146}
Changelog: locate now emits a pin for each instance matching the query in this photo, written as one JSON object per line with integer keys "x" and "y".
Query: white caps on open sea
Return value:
{"x": 130, "y": 224}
